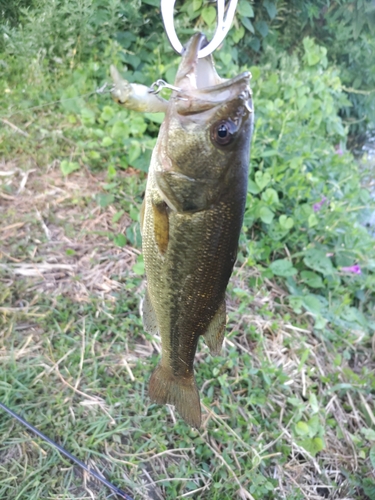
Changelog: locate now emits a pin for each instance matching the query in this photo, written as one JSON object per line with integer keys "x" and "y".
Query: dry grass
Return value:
{"x": 64, "y": 230}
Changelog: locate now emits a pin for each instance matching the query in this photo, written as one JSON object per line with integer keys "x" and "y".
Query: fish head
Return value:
{"x": 208, "y": 125}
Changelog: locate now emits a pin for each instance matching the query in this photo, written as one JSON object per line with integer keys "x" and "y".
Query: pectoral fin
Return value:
{"x": 161, "y": 225}
{"x": 214, "y": 335}
{"x": 150, "y": 323}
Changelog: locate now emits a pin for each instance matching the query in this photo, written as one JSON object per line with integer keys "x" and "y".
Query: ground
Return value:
{"x": 286, "y": 414}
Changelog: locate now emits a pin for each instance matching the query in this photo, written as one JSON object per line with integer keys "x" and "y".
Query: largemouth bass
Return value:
{"x": 191, "y": 219}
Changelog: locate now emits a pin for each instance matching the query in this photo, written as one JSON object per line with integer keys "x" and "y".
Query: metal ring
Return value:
{"x": 222, "y": 28}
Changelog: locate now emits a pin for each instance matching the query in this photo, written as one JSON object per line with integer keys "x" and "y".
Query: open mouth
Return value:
{"x": 200, "y": 74}
{"x": 201, "y": 88}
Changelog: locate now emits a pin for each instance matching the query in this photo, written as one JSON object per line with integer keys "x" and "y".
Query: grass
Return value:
{"x": 286, "y": 414}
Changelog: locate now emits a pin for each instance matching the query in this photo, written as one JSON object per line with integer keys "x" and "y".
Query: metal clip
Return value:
{"x": 223, "y": 25}
{"x": 159, "y": 85}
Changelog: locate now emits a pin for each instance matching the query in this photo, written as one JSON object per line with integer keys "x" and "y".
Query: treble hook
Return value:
{"x": 223, "y": 26}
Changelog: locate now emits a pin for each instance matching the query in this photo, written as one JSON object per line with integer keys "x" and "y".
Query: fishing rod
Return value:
{"x": 71, "y": 457}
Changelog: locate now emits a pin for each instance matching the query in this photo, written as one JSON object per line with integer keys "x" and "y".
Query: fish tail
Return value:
{"x": 166, "y": 388}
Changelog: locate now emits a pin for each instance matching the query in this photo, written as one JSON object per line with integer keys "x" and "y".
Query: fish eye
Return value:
{"x": 222, "y": 132}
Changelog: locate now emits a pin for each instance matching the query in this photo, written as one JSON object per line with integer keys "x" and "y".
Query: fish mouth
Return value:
{"x": 197, "y": 79}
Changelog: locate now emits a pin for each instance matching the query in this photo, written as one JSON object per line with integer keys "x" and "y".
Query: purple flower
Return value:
{"x": 339, "y": 151}
{"x": 318, "y": 206}
{"x": 356, "y": 269}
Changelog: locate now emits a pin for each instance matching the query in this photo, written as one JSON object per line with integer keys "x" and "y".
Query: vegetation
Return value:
{"x": 289, "y": 405}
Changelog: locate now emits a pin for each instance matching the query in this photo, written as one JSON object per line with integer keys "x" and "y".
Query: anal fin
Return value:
{"x": 214, "y": 334}
{"x": 182, "y": 392}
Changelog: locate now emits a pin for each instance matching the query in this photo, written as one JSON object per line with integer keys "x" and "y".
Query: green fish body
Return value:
{"x": 191, "y": 221}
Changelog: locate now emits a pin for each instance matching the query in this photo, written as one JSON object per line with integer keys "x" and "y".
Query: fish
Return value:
{"x": 191, "y": 220}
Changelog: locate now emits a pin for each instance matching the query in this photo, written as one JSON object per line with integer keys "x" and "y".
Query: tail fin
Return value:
{"x": 166, "y": 388}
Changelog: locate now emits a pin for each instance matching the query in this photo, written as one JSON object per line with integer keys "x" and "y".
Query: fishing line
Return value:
{"x": 100, "y": 90}
{"x": 71, "y": 457}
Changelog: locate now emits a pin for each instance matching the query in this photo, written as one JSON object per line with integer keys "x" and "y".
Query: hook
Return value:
{"x": 223, "y": 26}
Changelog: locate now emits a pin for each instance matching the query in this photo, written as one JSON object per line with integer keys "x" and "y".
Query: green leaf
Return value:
{"x": 87, "y": 116}
{"x": 106, "y": 142}
{"x": 270, "y": 196}
{"x": 314, "y": 403}
{"x": 120, "y": 130}
{"x": 170, "y": 76}
{"x": 283, "y": 267}
{"x": 238, "y": 34}
{"x": 266, "y": 215}
{"x": 134, "y": 152}
{"x": 312, "y": 279}
{"x": 138, "y": 124}
{"x": 117, "y": 216}
{"x": 368, "y": 433}
{"x": 120, "y": 240}
{"x": 286, "y": 222}
{"x": 262, "y": 179}
{"x": 107, "y": 113}
{"x": 139, "y": 266}
{"x": 262, "y": 27}
{"x": 301, "y": 102}
{"x": 197, "y": 4}
{"x": 252, "y": 187}
{"x": 93, "y": 155}
{"x": 248, "y": 24}
{"x": 353, "y": 315}
{"x": 271, "y": 8}
{"x": 312, "y": 51}
{"x": 255, "y": 42}
{"x": 317, "y": 260}
{"x": 369, "y": 488}
{"x": 304, "y": 357}
{"x": 295, "y": 303}
{"x": 312, "y": 304}
{"x": 320, "y": 322}
{"x": 225, "y": 57}
{"x": 245, "y": 9}
{"x": 67, "y": 167}
{"x": 143, "y": 161}
{"x": 111, "y": 171}
{"x": 313, "y": 446}
{"x": 315, "y": 427}
{"x": 155, "y": 117}
{"x": 209, "y": 14}
{"x": 276, "y": 232}
{"x": 269, "y": 152}
{"x": 105, "y": 199}
{"x": 365, "y": 196}
{"x": 302, "y": 429}
{"x": 312, "y": 220}
{"x": 255, "y": 73}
